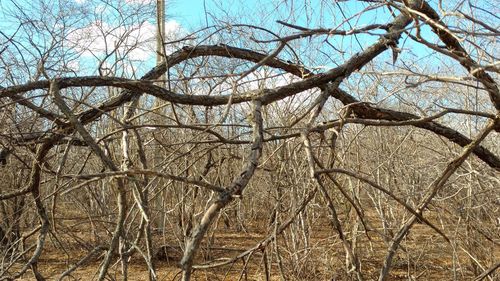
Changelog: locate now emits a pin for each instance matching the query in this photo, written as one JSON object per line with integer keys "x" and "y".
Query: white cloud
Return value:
{"x": 73, "y": 65}
{"x": 136, "y": 42}
{"x": 142, "y": 2}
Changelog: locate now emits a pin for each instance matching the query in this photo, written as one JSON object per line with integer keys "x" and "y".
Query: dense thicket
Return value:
{"x": 322, "y": 140}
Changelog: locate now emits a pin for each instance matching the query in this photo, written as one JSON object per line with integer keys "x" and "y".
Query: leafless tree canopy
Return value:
{"x": 278, "y": 140}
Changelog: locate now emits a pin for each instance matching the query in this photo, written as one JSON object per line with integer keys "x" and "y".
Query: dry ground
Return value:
{"x": 425, "y": 256}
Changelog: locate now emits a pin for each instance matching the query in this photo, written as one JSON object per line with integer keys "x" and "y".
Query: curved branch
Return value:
{"x": 367, "y": 111}
{"x": 431, "y": 17}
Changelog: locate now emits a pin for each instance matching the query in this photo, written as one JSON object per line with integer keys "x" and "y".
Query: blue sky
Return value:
{"x": 192, "y": 12}
{"x": 185, "y": 16}
{"x": 192, "y": 15}
{"x": 186, "y": 12}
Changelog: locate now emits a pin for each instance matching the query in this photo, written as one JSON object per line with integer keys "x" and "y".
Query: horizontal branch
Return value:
{"x": 367, "y": 111}
{"x": 147, "y": 173}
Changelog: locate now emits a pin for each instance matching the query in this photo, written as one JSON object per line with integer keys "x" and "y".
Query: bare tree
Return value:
{"x": 349, "y": 140}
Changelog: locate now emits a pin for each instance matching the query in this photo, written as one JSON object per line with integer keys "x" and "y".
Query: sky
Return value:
{"x": 98, "y": 41}
{"x": 199, "y": 13}
{"x": 94, "y": 37}
{"x": 186, "y": 12}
